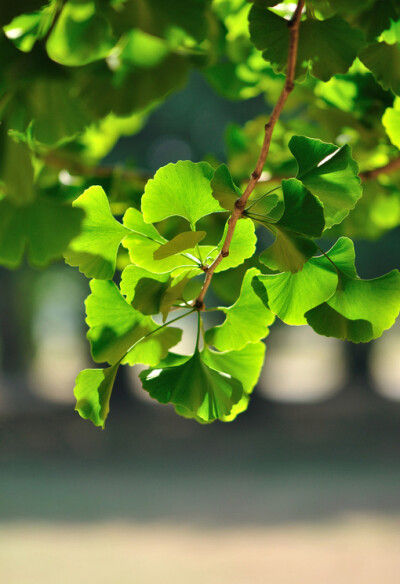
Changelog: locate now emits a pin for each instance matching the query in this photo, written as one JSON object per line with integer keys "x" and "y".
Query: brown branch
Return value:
{"x": 79, "y": 169}
{"x": 294, "y": 25}
{"x": 391, "y": 166}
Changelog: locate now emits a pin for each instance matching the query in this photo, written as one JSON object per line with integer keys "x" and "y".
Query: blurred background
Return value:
{"x": 303, "y": 487}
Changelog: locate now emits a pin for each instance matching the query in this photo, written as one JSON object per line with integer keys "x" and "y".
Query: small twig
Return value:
{"x": 294, "y": 25}
{"x": 79, "y": 169}
{"x": 391, "y": 166}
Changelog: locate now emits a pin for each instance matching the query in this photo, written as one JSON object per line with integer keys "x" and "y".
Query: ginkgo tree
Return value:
{"x": 251, "y": 231}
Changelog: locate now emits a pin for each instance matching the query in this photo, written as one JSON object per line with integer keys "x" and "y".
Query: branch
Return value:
{"x": 294, "y": 25}
{"x": 391, "y": 166}
{"x": 79, "y": 169}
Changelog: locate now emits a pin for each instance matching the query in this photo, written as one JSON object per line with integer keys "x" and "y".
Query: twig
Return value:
{"x": 79, "y": 169}
{"x": 294, "y": 25}
{"x": 391, "y": 166}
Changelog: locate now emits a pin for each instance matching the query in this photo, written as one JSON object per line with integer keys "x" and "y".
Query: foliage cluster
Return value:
{"x": 78, "y": 74}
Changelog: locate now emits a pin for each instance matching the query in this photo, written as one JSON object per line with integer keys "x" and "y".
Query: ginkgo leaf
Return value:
{"x": 330, "y": 323}
{"x": 244, "y": 365}
{"x": 16, "y": 171}
{"x": 330, "y": 173}
{"x": 80, "y": 36}
{"x": 115, "y": 327}
{"x": 180, "y": 189}
{"x": 43, "y": 227}
{"x": 357, "y": 302}
{"x": 144, "y": 241}
{"x": 143, "y": 289}
{"x": 224, "y": 189}
{"x": 246, "y": 321}
{"x": 302, "y": 218}
{"x": 383, "y": 60}
{"x": 391, "y": 123}
{"x": 181, "y": 242}
{"x": 243, "y": 246}
{"x": 326, "y": 47}
{"x": 203, "y": 392}
{"x": 92, "y": 390}
{"x": 290, "y": 296}
{"x": 94, "y": 251}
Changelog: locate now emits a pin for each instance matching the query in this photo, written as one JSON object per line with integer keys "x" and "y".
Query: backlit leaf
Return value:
{"x": 92, "y": 390}
{"x": 203, "y": 392}
{"x": 330, "y": 173}
{"x": 180, "y": 189}
{"x": 246, "y": 321}
{"x": 94, "y": 251}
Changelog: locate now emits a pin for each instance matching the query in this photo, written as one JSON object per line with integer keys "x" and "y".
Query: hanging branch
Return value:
{"x": 294, "y": 25}
{"x": 391, "y": 166}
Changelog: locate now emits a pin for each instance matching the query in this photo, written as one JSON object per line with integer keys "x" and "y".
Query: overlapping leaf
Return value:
{"x": 115, "y": 326}
{"x": 302, "y": 219}
{"x": 43, "y": 228}
{"x": 224, "y": 189}
{"x": 195, "y": 388}
{"x": 330, "y": 173}
{"x": 383, "y": 60}
{"x": 94, "y": 251}
{"x": 246, "y": 321}
{"x": 360, "y": 310}
{"x": 290, "y": 296}
{"x": 326, "y": 47}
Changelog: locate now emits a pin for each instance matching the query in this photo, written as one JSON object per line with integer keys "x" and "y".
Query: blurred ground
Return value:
{"x": 303, "y": 493}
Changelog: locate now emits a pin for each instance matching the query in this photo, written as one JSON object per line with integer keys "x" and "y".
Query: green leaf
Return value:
{"x": 302, "y": 218}
{"x": 290, "y": 296}
{"x": 43, "y": 227}
{"x": 17, "y": 171}
{"x": 143, "y": 288}
{"x": 92, "y": 390}
{"x": 330, "y": 323}
{"x": 224, "y": 189}
{"x": 181, "y": 242}
{"x": 330, "y": 173}
{"x": 80, "y": 36}
{"x": 391, "y": 123}
{"x": 181, "y": 189}
{"x": 94, "y": 251}
{"x": 357, "y": 302}
{"x": 243, "y": 246}
{"x": 378, "y": 17}
{"x": 244, "y": 365}
{"x": 164, "y": 19}
{"x": 383, "y": 60}
{"x": 326, "y": 47}
{"x": 246, "y": 321}
{"x": 203, "y": 392}
{"x": 115, "y": 326}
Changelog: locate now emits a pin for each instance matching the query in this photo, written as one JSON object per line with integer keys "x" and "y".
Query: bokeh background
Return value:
{"x": 304, "y": 487}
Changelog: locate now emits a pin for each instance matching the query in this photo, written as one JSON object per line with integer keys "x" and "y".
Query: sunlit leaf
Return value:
{"x": 181, "y": 242}
{"x": 180, "y": 189}
{"x": 92, "y": 390}
{"x": 357, "y": 302}
{"x": 246, "y": 321}
{"x": 94, "y": 251}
